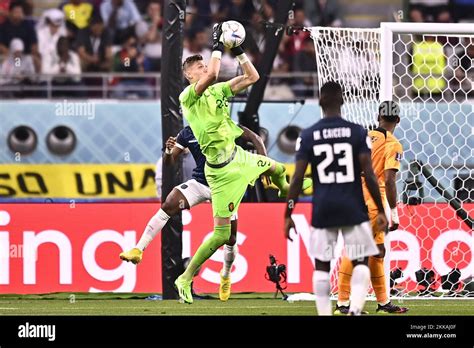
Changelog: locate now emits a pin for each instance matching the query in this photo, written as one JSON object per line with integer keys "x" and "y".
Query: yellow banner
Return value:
{"x": 83, "y": 181}
{"x": 94, "y": 181}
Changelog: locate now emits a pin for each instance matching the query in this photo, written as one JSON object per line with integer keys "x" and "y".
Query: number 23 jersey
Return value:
{"x": 332, "y": 147}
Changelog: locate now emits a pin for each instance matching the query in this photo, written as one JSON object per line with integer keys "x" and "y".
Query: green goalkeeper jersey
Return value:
{"x": 209, "y": 117}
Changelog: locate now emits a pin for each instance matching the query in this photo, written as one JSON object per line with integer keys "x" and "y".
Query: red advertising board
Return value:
{"x": 75, "y": 247}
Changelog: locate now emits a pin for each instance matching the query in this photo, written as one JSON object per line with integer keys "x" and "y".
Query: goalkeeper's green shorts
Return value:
{"x": 229, "y": 182}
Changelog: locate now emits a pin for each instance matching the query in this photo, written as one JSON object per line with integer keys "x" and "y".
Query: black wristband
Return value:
{"x": 219, "y": 46}
{"x": 237, "y": 51}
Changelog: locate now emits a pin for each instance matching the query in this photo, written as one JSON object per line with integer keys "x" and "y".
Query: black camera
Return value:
{"x": 277, "y": 273}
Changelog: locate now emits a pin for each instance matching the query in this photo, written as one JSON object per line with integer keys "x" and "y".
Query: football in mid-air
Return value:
{"x": 233, "y": 34}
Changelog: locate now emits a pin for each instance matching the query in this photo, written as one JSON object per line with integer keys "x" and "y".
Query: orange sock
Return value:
{"x": 344, "y": 282}
{"x": 377, "y": 276}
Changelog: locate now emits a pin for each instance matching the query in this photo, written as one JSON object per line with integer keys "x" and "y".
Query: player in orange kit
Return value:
{"x": 386, "y": 156}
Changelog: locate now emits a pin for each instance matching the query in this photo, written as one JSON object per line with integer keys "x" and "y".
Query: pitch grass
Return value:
{"x": 240, "y": 304}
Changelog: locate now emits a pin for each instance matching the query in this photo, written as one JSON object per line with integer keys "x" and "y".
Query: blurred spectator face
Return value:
{"x": 53, "y": 26}
{"x": 470, "y": 50}
{"x": 97, "y": 29}
{"x": 238, "y": 3}
{"x": 256, "y": 19}
{"x": 154, "y": 9}
{"x": 267, "y": 11}
{"x": 131, "y": 46}
{"x": 117, "y": 3}
{"x": 75, "y": 2}
{"x": 17, "y": 15}
{"x": 299, "y": 17}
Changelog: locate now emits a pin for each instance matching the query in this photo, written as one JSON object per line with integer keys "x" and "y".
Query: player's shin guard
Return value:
{"x": 230, "y": 252}
{"x": 377, "y": 277}
{"x": 219, "y": 237}
{"x": 279, "y": 177}
{"x": 360, "y": 287}
{"x": 344, "y": 282}
{"x": 155, "y": 225}
{"x": 322, "y": 289}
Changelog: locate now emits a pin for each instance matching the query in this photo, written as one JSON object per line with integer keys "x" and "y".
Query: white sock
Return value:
{"x": 359, "y": 288}
{"x": 156, "y": 223}
{"x": 322, "y": 288}
{"x": 230, "y": 252}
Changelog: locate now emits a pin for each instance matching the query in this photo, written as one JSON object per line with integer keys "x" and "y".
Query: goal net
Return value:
{"x": 427, "y": 70}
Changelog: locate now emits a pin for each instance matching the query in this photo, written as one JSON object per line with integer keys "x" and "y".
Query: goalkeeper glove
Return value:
{"x": 217, "y": 44}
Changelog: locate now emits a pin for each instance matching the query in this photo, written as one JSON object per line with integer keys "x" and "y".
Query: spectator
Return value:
{"x": 305, "y": 61}
{"x": 50, "y": 28}
{"x": 94, "y": 47}
{"x": 200, "y": 11}
{"x": 78, "y": 14}
{"x": 4, "y": 5}
{"x": 464, "y": 72}
{"x": 152, "y": 49}
{"x": 294, "y": 43}
{"x": 463, "y": 10}
{"x": 120, "y": 17}
{"x": 142, "y": 5}
{"x": 130, "y": 60}
{"x": 255, "y": 40}
{"x": 218, "y": 10}
{"x": 16, "y": 70}
{"x": 429, "y": 64}
{"x": 18, "y": 27}
{"x": 430, "y": 11}
{"x": 65, "y": 61}
{"x": 196, "y": 42}
{"x": 325, "y": 13}
{"x": 240, "y": 10}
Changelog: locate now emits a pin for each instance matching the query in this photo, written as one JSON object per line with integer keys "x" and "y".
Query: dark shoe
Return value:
{"x": 391, "y": 308}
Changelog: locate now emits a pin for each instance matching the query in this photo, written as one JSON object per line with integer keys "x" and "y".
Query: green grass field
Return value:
{"x": 239, "y": 304}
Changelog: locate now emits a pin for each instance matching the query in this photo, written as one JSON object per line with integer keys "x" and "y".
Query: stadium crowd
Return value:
{"x": 67, "y": 38}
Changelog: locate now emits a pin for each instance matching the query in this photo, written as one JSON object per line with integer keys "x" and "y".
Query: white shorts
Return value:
{"x": 358, "y": 242}
{"x": 197, "y": 193}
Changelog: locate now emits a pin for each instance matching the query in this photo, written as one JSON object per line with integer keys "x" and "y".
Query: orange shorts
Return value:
{"x": 379, "y": 235}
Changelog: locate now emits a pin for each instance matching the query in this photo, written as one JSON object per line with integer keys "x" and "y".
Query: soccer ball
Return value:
{"x": 233, "y": 34}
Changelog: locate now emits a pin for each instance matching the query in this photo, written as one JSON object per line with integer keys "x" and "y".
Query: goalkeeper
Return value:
{"x": 229, "y": 169}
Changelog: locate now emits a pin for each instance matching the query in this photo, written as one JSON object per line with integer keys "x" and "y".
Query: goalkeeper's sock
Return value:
{"x": 219, "y": 237}
{"x": 377, "y": 277}
{"x": 279, "y": 178}
{"x": 322, "y": 288}
{"x": 360, "y": 286}
{"x": 230, "y": 252}
{"x": 344, "y": 282}
{"x": 156, "y": 223}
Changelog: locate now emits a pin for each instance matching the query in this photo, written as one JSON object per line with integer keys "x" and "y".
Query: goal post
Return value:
{"x": 421, "y": 66}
